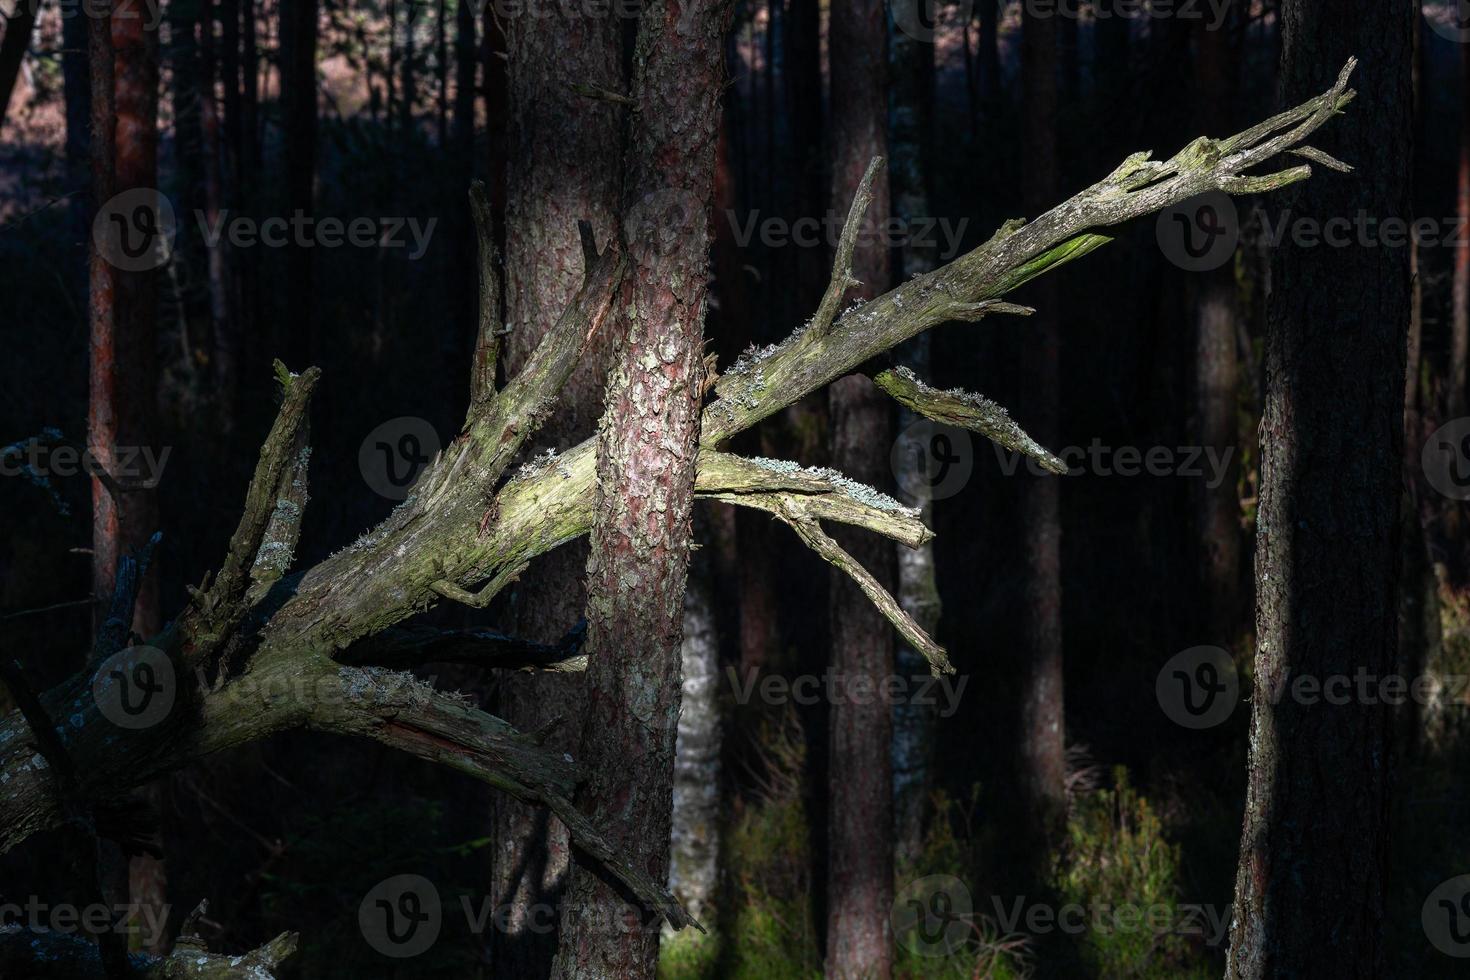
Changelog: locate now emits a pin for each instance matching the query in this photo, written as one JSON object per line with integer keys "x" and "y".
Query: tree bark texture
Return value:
{"x": 1309, "y": 894}
{"x": 645, "y": 479}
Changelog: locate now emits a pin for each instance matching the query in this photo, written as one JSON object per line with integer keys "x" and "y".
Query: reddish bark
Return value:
{"x": 645, "y": 476}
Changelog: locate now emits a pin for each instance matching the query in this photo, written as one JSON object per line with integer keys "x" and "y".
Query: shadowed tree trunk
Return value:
{"x": 135, "y": 79}
{"x": 1042, "y": 757}
{"x": 1460, "y": 291}
{"x": 860, "y": 739}
{"x": 553, "y": 132}
{"x": 911, "y": 100}
{"x": 1309, "y": 893}
{"x": 13, "y": 47}
{"x": 298, "y": 93}
{"x": 645, "y": 475}
{"x": 1216, "y": 509}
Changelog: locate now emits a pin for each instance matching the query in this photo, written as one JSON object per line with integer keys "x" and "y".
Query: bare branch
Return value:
{"x": 45, "y": 954}
{"x": 811, "y": 532}
{"x": 761, "y": 385}
{"x": 217, "y": 610}
{"x": 966, "y": 410}
{"x": 842, "y": 279}
{"x": 776, "y": 485}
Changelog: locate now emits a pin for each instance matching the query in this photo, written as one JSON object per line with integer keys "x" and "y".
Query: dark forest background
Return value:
{"x": 400, "y": 106}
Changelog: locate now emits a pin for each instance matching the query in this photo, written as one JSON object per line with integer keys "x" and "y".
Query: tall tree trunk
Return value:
{"x": 298, "y": 92}
{"x": 912, "y": 64}
{"x": 860, "y": 738}
{"x": 1216, "y": 509}
{"x": 1042, "y": 756}
{"x": 124, "y": 369}
{"x": 1309, "y": 893}
{"x": 1460, "y": 289}
{"x": 225, "y": 339}
{"x": 553, "y": 133}
{"x": 13, "y": 48}
{"x": 645, "y": 478}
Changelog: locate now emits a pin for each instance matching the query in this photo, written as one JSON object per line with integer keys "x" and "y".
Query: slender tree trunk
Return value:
{"x": 123, "y": 367}
{"x": 645, "y": 478}
{"x": 1460, "y": 289}
{"x": 76, "y": 83}
{"x": 990, "y": 81}
{"x": 13, "y": 50}
{"x": 225, "y": 346}
{"x": 553, "y": 133}
{"x": 441, "y": 71}
{"x": 860, "y": 764}
{"x": 1309, "y": 894}
{"x": 694, "y": 846}
{"x": 912, "y": 64}
{"x": 1216, "y": 509}
{"x": 1042, "y": 757}
{"x": 298, "y": 92}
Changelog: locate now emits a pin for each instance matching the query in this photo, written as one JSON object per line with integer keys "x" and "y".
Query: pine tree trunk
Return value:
{"x": 912, "y": 63}
{"x": 1460, "y": 287}
{"x": 860, "y": 737}
{"x": 1042, "y": 756}
{"x": 553, "y": 132}
{"x": 645, "y": 479}
{"x": 298, "y": 93}
{"x": 1217, "y": 508}
{"x": 1309, "y": 894}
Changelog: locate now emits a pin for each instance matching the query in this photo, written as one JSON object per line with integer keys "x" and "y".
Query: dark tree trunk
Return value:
{"x": 13, "y": 50}
{"x": 76, "y": 81}
{"x": 1309, "y": 895}
{"x": 990, "y": 80}
{"x": 298, "y": 92}
{"x": 912, "y": 62}
{"x": 1216, "y": 509}
{"x": 860, "y": 764}
{"x": 645, "y": 475}
{"x": 1042, "y": 756}
{"x": 553, "y": 133}
{"x": 1460, "y": 291}
{"x": 127, "y": 520}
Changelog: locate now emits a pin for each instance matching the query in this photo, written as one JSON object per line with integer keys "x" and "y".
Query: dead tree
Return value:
{"x": 260, "y": 648}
